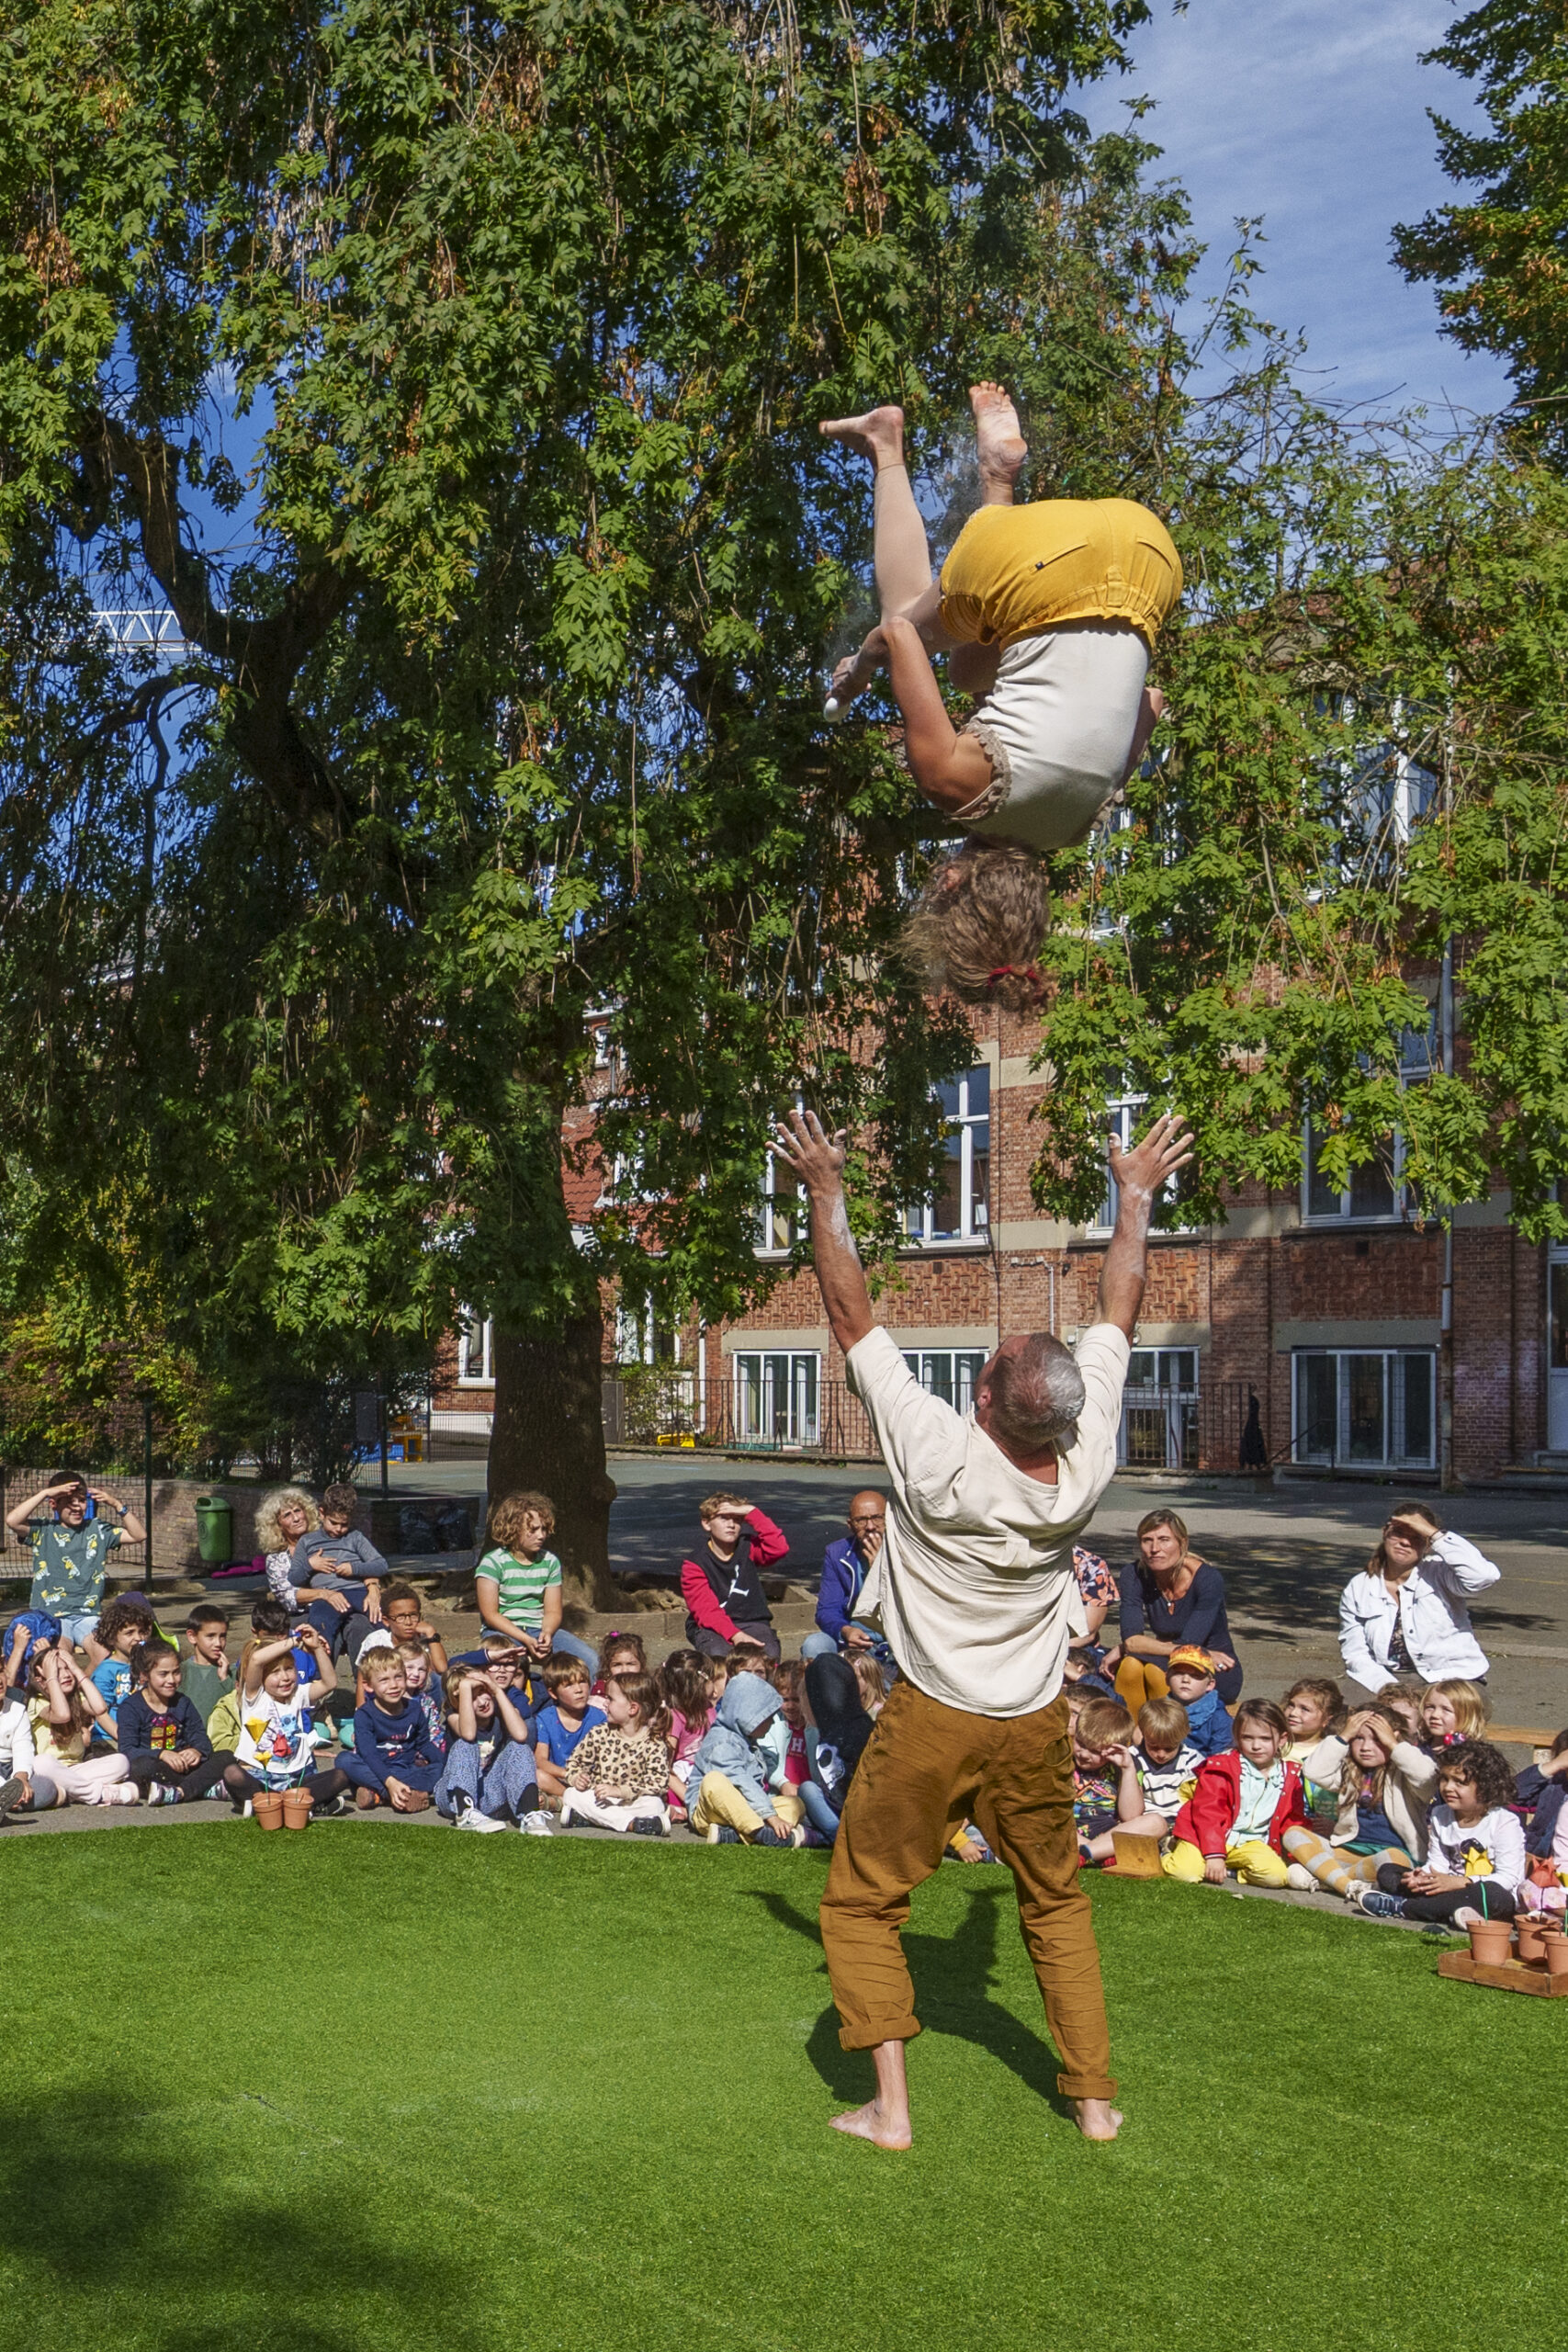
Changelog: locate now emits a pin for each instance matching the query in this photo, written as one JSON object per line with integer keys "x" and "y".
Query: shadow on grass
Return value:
{"x": 105, "y": 2197}
{"x": 953, "y": 1978}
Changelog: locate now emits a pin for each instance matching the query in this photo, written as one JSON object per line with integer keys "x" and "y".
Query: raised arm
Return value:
{"x": 818, "y": 1160}
{"x": 1138, "y": 1175}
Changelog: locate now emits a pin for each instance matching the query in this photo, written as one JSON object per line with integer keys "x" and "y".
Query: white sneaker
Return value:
{"x": 481, "y": 1822}
{"x": 537, "y": 1825}
{"x": 1299, "y": 1877}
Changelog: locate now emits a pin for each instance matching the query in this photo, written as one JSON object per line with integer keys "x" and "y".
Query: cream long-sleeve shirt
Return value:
{"x": 974, "y": 1586}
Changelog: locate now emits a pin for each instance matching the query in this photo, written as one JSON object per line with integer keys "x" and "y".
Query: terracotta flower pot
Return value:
{"x": 1532, "y": 1933}
{"x": 296, "y": 1804}
{"x": 1556, "y": 1946}
{"x": 267, "y": 1809}
{"x": 1491, "y": 1941}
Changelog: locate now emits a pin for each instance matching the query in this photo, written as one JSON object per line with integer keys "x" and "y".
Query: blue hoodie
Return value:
{"x": 728, "y": 1743}
{"x": 1208, "y": 1725}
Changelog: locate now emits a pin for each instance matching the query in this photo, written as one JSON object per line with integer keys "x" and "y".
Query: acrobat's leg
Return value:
{"x": 1001, "y": 448}
{"x": 899, "y": 551}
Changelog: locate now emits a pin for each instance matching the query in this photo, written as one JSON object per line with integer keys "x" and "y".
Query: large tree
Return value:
{"x": 493, "y": 341}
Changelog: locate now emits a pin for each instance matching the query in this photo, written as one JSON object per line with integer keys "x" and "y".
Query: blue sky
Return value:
{"x": 1313, "y": 113}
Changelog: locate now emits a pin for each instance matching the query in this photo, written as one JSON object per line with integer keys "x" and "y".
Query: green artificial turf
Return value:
{"x": 377, "y": 2088}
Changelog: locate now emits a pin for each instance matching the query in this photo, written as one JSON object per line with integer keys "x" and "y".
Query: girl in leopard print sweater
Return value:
{"x": 620, "y": 1772}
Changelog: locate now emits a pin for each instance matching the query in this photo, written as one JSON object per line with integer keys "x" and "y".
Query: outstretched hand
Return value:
{"x": 817, "y": 1158}
{"x": 1151, "y": 1164}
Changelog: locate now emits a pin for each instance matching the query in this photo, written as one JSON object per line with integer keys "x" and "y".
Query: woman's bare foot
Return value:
{"x": 1001, "y": 446}
{"x": 870, "y": 2123}
{"x": 1098, "y": 2119}
{"x": 878, "y": 434}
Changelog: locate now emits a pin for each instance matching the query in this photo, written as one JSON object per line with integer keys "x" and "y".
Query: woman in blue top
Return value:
{"x": 1172, "y": 1597}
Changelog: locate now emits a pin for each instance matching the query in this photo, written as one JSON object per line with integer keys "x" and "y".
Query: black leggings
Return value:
{"x": 1499, "y": 1903}
{"x": 321, "y": 1786}
{"x": 202, "y": 1779}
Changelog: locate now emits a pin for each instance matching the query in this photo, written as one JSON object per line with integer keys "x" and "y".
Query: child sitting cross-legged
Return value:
{"x": 395, "y": 1761}
{"x": 402, "y": 1613}
{"x": 1475, "y": 1847}
{"x": 1242, "y": 1803}
{"x": 1450, "y": 1711}
{"x": 426, "y": 1687}
{"x": 206, "y": 1676}
{"x": 560, "y": 1727}
{"x": 487, "y": 1779}
{"x": 1165, "y": 1758}
{"x": 686, "y": 1679}
{"x": 124, "y": 1624}
{"x": 168, "y": 1756}
{"x": 1107, "y": 1795}
{"x": 278, "y": 1735}
{"x": 617, "y": 1777}
{"x": 732, "y": 1801}
{"x": 1189, "y": 1675}
{"x": 1386, "y": 1787}
{"x": 1315, "y": 1709}
{"x": 63, "y": 1710}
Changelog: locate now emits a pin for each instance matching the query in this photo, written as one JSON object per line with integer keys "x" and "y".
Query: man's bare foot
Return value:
{"x": 1001, "y": 444}
{"x": 878, "y": 434}
{"x": 1098, "y": 2119}
{"x": 870, "y": 2123}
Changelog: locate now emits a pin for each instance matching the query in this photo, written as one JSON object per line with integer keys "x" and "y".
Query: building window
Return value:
{"x": 781, "y": 1211}
{"x": 641, "y": 1338}
{"x": 1122, "y": 1120}
{"x": 951, "y": 1374}
{"x": 475, "y": 1338}
{"x": 1376, "y": 1192}
{"x": 1159, "y": 1410}
{"x": 1368, "y": 1406}
{"x": 777, "y": 1397}
{"x": 959, "y": 1210}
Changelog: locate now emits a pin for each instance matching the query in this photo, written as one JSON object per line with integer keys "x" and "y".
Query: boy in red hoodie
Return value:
{"x": 722, "y": 1584}
{"x": 1241, "y": 1806}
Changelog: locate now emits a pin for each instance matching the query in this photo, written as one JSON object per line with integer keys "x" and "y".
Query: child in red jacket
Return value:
{"x": 1240, "y": 1807}
{"x": 722, "y": 1584}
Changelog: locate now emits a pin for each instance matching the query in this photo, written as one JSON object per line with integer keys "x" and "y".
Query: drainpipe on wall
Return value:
{"x": 1447, "y": 1478}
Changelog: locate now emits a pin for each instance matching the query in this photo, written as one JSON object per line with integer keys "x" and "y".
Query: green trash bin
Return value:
{"x": 214, "y": 1528}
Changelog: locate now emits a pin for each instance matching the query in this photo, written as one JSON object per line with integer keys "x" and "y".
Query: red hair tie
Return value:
{"x": 1030, "y": 972}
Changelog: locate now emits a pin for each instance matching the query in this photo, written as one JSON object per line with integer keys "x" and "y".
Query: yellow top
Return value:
{"x": 1017, "y": 571}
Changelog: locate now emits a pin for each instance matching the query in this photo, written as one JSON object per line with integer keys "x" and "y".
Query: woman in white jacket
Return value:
{"x": 1408, "y": 1611}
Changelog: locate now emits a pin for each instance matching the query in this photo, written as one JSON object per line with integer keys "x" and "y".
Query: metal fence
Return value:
{"x": 795, "y": 1414}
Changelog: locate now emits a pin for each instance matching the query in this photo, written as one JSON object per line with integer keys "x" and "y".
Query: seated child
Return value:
{"x": 559, "y": 1728}
{"x": 1475, "y": 1847}
{"x": 18, "y": 1791}
{"x": 1404, "y": 1706}
{"x": 1107, "y": 1794}
{"x": 1315, "y": 1709}
{"x": 686, "y": 1682}
{"x": 124, "y": 1624}
{"x": 733, "y": 1802}
{"x": 270, "y": 1620}
{"x": 337, "y": 1556}
{"x": 64, "y": 1708}
{"x": 488, "y": 1778}
{"x": 836, "y": 1729}
{"x": 402, "y": 1613}
{"x": 277, "y": 1733}
{"x": 1541, "y": 1797}
{"x": 618, "y": 1775}
{"x": 1189, "y": 1675}
{"x": 1164, "y": 1759}
{"x": 426, "y": 1687}
{"x": 619, "y": 1654}
{"x": 1452, "y": 1712}
{"x": 1386, "y": 1787}
{"x": 874, "y": 1680}
{"x": 206, "y": 1676}
{"x": 1050, "y": 612}
{"x": 394, "y": 1760}
{"x": 519, "y": 1580}
{"x": 167, "y": 1754}
{"x": 30, "y": 1630}
{"x": 1242, "y": 1803}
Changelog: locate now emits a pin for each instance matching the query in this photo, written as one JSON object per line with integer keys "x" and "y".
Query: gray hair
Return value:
{"x": 1037, "y": 1394}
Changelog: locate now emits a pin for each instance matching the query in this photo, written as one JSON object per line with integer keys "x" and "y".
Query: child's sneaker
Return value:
{"x": 122, "y": 1793}
{"x": 538, "y": 1824}
{"x": 1379, "y": 1905}
{"x": 12, "y": 1793}
{"x": 1299, "y": 1877}
{"x": 647, "y": 1824}
{"x": 155, "y": 1793}
{"x": 720, "y": 1834}
{"x": 483, "y": 1823}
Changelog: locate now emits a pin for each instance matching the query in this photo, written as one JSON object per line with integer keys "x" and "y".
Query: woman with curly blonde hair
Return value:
{"x": 283, "y": 1517}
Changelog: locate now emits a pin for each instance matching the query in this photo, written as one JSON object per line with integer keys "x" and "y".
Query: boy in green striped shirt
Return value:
{"x": 519, "y": 1579}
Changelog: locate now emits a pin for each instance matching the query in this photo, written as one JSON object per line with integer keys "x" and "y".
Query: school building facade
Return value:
{"x": 1306, "y": 1331}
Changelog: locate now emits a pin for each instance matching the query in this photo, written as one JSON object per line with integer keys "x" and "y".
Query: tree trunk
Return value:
{"x": 549, "y": 1433}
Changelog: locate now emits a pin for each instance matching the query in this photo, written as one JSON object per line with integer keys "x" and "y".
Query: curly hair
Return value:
{"x": 503, "y": 1527}
{"x": 269, "y": 1535}
{"x": 1486, "y": 1769}
{"x": 126, "y": 1609}
{"x": 977, "y": 927}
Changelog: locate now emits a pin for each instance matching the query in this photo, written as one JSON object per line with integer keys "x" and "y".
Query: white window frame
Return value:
{"x": 467, "y": 1324}
{"x": 1414, "y": 1067}
{"x": 1167, "y": 1398}
{"x": 773, "y": 1217}
{"x": 963, "y": 1367}
{"x": 1122, "y": 1114}
{"x": 973, "y": 1202}
{"x": 1396, "y": 1374}
{"x": 802, "y": 1410}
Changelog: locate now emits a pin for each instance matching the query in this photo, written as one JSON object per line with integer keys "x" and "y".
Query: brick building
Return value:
{"x": 1315, "y": 1316}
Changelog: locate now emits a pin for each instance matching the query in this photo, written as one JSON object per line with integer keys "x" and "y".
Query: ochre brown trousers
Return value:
{"x": 926, "y": 1768}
